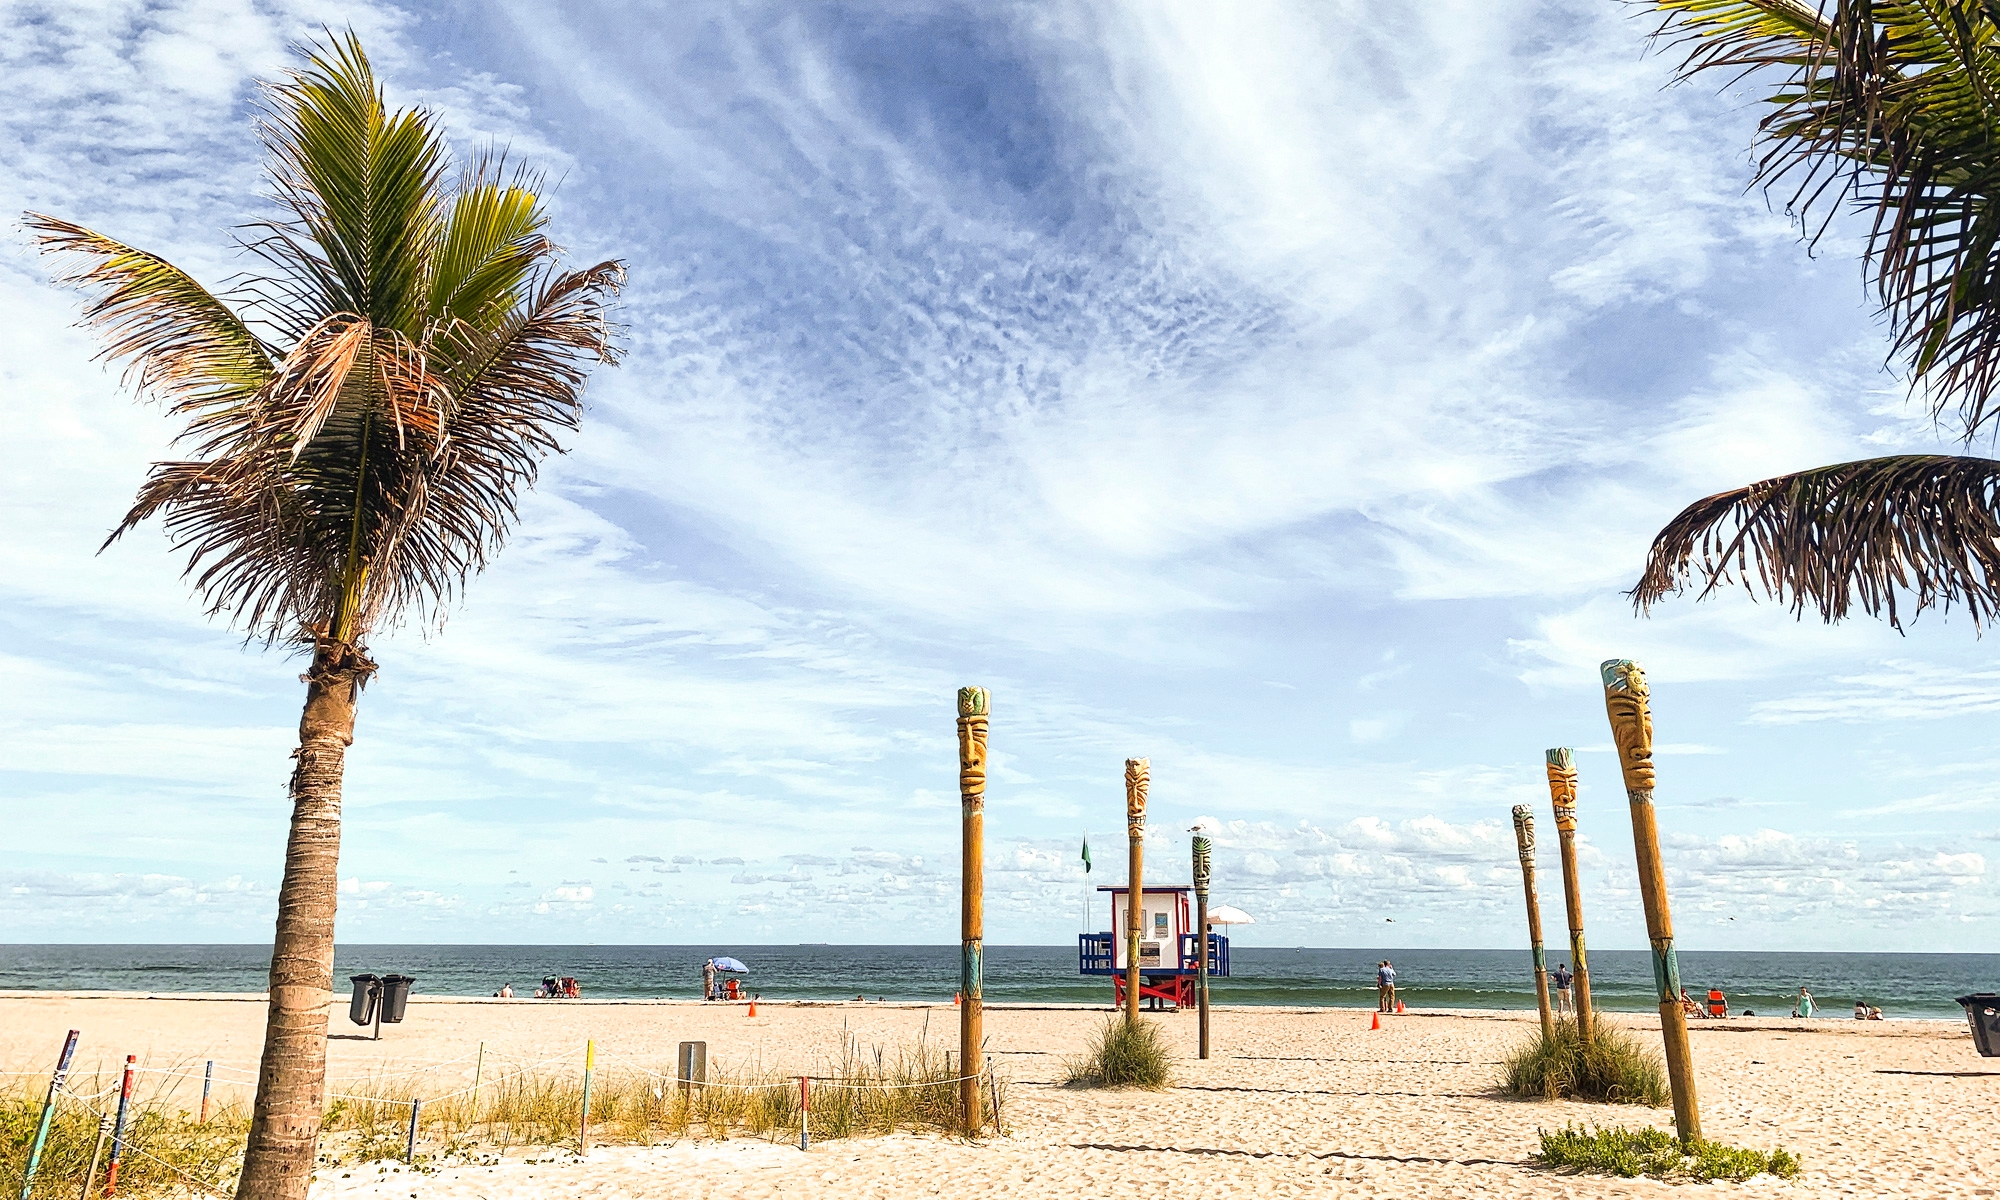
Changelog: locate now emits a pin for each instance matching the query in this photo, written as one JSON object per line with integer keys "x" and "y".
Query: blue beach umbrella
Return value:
{"x": 730, "y": 964}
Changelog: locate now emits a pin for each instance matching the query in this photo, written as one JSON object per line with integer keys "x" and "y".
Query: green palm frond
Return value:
{"x": 1892, "y": 106}
{"x": 431, "y": 353}
{"x": 1846, "y": 536}
{"x": 180, "y": 342}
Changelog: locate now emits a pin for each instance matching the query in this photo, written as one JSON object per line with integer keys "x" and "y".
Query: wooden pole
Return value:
{"x": 49, "y": 1112}
{"x": 1201, "y": 856}
{"x": 1138, "y": 778}
{"x": 974, "y": 710}
{"x": 583, "y": 1120}
{"x": 207, "y": 1081}
{"x": 417, "y": 1108}
{"x": 96, "y": 1156}
{"x": 1625, "y": 700}
{"x": 1562, "y": 793}
{"x": 118, "y": 1129}
{"x": 805, "y": 1112}
{"x": 1524, "y": 844}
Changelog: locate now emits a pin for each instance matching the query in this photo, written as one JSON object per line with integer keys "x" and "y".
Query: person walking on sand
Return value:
{"x": 1385, "y": 987}
{"x": 1563, "y": 980}
{"x": 1804, "y": 1008}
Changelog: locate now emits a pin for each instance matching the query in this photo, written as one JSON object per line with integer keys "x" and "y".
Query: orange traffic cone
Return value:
{"x": 1375, "y": 1022}
{"x": 954, "y": 999}
{"x": 1400, "y": 1010}
{"x": 753, "y": 1008}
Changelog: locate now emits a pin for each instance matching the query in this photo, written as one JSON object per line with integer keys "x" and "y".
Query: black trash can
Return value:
{"x": 1983, "y": 1010}
{"x": 395, "y": 994}
{"x": 367, "y": 990}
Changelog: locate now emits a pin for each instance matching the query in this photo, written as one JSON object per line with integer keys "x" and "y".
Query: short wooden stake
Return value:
{"x": 993, "y": 1087}
{"x": 1524, "y": 844}
{"x": 1201, "y": 857}
{"x": 1626, "y": 702}
{"x": 96, "y": 1156}
{"x": 207, "y": 1081}
{"x": 118, "y": 1128}
{"x": 478, "y": 1069}
{"x": 1562, "y": 794}
{"x": 1138, "y": 779}
{"x": 410, "y": 1150}
{"x": 49, "y": 1112}
{"x": 805, "y": 1112}
{"x": 583, "y": 1121}
{"x": 974, "y": 710}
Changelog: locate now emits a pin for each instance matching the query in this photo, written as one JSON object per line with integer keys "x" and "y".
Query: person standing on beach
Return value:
{"x": 708, "y": 980}
{"x": 1385, "y": 987}
{"x": 1563, "y": 980}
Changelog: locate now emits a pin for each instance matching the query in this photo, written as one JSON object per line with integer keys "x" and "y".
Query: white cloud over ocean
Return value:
{"x": 1129, "y": 360}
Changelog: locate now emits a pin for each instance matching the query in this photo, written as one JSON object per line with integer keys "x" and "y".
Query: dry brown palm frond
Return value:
{"x": 1851, "y": 535}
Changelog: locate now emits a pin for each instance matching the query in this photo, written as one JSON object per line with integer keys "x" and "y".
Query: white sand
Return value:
{"x": 1293, "y": 1102}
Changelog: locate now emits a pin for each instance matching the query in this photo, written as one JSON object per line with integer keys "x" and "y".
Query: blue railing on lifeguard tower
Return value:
{"x": 1093, "y": 955}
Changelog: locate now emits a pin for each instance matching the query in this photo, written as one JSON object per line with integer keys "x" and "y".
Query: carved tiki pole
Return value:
{"x": 1138, "y": 777}
{"x": 1524, "y": 843}
{"x": 1562, "y": 793}
{"x": 1625, "y": 699}
{"x": 1201, "y": 934}
{"x": 972, "y": 716}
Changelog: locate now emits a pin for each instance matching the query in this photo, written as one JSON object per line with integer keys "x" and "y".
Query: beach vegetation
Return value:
{"x": 1122, "y": 1054}
{"x": 1880, "y": 108}
{"x": 1612, "y": 1067}
{"x": 167, "y": 1151}
{"x": 359, "y": 415}
{"x": 1631, "y": 1153}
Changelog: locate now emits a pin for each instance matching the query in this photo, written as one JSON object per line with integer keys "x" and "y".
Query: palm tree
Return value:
{"x": 1893, "y": 109}
{"x": 361, "y": 414}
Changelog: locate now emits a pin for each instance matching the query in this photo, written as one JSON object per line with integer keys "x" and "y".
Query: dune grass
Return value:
{"x": 1614, "y": 1068}
{"x": 1656, "y": 1152}
{"x": 862, "y": 1093}
{"x": 1122, "y": 1054}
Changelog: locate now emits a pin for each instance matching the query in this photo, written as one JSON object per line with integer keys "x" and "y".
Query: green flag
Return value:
{"x": 1086, "y": 854}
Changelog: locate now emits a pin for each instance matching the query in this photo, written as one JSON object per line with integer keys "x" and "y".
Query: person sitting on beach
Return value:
{"x": 1688, "y": 1005}
{"x": 1804, "y": 1008}
{"x": 506, "y": 991}
{"x": 1861, "y": 1010}
{"x": 1385, "y": 987}
{"x": 1874, "y": 1014}
{"x": 1563, "y": 980}
{"x": 732, "y": 991}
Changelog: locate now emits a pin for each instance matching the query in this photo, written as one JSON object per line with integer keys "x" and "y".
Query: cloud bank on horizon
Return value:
{"x": 1282, "y": 392}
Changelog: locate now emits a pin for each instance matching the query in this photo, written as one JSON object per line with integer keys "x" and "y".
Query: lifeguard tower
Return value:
{"x": 1167, "y": 962}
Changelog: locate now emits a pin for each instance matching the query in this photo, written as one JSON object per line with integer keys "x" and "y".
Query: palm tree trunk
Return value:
{"x": 291, "y": 1082}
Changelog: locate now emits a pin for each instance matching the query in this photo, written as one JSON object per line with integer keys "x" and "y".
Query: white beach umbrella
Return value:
{"x": 1226, "y": 915}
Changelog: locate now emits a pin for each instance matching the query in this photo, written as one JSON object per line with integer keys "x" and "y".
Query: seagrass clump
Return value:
{"x": 1612, "y": 1067}
{"x": 1122, "y": 1054}
{"x": 1630, "y": 1153}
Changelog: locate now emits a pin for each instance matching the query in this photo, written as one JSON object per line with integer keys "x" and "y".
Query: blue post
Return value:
{"x": 410, "y": 1152}
{"x": 48, "y": 1113}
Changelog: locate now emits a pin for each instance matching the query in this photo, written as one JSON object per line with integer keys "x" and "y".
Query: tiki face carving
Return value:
{"x": 1625, "y": 700}
{"x": 1200, "y": 865}
{"x": 1138, "y": 777}
{"x": 972, "y": 705}
{"x": 1524, "y": 833}
{"x": 1562, "y": 788}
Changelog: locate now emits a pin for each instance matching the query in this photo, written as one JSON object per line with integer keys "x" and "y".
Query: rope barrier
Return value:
{"x": 834, "y": 1081}
{"x": 131, "y": 1148}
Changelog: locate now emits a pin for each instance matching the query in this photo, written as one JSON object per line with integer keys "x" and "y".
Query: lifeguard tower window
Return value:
{"x": 1167, "y": 951}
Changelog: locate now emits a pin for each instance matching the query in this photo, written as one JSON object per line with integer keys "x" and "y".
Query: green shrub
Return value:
{"x": 1612, "y": 1068}
{"x": 1655, "y": 1152}
{"x": 1123, "y": 1054}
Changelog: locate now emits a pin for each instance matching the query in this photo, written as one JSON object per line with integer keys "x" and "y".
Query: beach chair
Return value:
{"x": 1718, "y": 1004}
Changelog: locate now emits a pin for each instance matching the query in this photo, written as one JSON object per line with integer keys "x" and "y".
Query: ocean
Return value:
{"x": 1902, "y": 985}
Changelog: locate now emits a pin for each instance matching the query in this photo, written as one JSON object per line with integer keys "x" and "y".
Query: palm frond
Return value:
{"x": 362, "y": 181}
{"x": 1856, "y": 534}
{"x": 1892, "y": 106}
{"x": 489, "y": 245}
{"x": 180, "y": 342}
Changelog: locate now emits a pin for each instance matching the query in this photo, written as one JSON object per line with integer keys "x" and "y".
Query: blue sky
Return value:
{"x": 1284, "y": 393}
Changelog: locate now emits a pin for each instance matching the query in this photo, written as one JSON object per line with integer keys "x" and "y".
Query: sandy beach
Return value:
{"x": 1293, "y": 1101}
